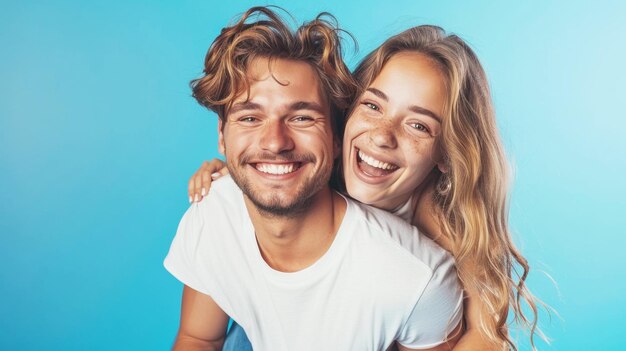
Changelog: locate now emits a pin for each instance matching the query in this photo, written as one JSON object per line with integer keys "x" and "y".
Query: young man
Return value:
{"x": 297, "y": 265}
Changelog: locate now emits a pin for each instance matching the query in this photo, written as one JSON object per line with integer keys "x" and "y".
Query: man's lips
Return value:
{"x": 276, "y": 168}
{"x": 373, "y": 167}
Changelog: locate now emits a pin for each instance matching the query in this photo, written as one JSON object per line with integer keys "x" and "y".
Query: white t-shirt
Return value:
{"x": 379, "y": 281}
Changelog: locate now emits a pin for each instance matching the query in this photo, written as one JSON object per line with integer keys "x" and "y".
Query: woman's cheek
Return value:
{"x": 358, "y": 124}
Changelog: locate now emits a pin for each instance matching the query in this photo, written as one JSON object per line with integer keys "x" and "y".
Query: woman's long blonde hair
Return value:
{"x": 473, "y": 193}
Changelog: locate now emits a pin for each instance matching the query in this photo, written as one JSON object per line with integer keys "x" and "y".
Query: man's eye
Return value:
{"x": 302, "y": 119}
{"x": 247, "y": 119}
{"x": 371, "y": 106}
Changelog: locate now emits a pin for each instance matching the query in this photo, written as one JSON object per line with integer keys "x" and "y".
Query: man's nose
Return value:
{"x": 276, "y": 137}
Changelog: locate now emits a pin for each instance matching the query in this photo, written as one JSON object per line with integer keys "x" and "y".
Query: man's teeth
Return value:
{"x": 275, "y": 169}
{"x": 375, "y": 163}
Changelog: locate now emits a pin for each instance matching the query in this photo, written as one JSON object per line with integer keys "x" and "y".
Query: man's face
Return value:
{"x": 279, "y": 143}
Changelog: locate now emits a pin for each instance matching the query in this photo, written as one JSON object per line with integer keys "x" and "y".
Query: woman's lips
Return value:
{"x": 372, "y": 167}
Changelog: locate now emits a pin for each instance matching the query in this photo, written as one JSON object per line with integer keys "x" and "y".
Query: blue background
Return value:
{"x": 99, "y": 134}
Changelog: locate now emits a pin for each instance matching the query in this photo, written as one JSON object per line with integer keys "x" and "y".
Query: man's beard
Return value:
{"x": 272, "y": 205}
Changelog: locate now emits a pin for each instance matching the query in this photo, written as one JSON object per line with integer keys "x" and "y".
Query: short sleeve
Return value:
{"x": 180, "y": 260}
{"x": 438, "y": 311}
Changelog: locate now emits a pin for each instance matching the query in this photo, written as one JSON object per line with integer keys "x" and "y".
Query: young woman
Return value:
{"x": 421, "y": 141}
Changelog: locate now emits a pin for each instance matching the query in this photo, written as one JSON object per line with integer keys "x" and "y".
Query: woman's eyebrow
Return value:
{"x": 424, "y": 111}
{"x": 413, "y": 108}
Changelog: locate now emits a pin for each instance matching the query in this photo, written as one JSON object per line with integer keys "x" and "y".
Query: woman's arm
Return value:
{"x": 427, "y": 220}
{"x": 200, "y": 182}
{"x": 473, "y": 339}
{"x": 452, "y": 339}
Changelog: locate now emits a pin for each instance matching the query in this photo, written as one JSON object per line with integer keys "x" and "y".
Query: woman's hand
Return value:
{"x": 200, "y": 182}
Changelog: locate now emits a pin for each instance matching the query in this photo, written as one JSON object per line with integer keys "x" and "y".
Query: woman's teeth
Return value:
{"x": 376, "y": 163}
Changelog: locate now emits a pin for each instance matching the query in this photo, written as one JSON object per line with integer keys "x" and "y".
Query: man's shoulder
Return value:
{"x": 208, "y": 241}
{"x": 224, "y": 192}
{"x": 380, "y": 220}
{"x": 218, "y": 212}
{"x": 384, "y": 243}
{"x": 398, "y": 235}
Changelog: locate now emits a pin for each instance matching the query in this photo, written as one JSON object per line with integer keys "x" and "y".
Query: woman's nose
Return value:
{"x": 384, "y": 136}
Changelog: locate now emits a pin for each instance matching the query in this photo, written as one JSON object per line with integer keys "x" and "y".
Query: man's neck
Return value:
{"x": 292, "y": 243}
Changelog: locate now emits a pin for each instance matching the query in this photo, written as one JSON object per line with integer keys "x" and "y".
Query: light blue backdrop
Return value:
{"x": 98, "y": 136}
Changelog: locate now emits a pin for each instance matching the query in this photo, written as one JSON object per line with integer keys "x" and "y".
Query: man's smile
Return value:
{"x": 277, "y": 168}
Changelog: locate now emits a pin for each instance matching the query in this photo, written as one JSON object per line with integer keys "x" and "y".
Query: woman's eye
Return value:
{"x": 420, "y": 127}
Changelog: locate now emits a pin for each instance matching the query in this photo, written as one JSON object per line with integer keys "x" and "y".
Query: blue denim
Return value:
{"x": 236, "y": 339}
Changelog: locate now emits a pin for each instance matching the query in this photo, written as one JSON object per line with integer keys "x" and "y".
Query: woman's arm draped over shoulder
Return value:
{"x": 426, "y": 219}
{"x": 200, "y": 182}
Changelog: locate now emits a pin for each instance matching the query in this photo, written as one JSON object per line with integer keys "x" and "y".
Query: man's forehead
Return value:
{"x": 287, "y": 106}
{"x": 281, "y": 83}
{"x": 261, "y": 68}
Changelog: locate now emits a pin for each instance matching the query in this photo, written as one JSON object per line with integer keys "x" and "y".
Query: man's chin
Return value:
{"x": 280, "y": 199}
{"x": 277, "y": 207}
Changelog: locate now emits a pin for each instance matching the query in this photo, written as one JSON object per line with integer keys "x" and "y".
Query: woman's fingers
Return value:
{"x": 200, "y": 182}
{"x": 222, "y": 171}
{"x": 197, "y": 191}
{"x": 206, "y": 182}
{"x": 191, "y": 187}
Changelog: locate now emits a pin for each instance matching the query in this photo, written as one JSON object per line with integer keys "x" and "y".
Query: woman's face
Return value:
{"x": 389, "y": 142}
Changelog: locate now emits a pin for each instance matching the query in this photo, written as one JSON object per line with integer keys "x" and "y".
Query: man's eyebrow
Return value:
{"x": 413, "y": 108}
{"x": 308, "y": 105}
{"x": 244, "y": 105}
{"x": 378, "y": 93}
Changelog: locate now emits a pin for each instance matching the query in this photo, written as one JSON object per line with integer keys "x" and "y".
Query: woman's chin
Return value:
{"x": 377, "y": 197}
{"x": 367, "y": 196}
{"x": 360, "y": 194}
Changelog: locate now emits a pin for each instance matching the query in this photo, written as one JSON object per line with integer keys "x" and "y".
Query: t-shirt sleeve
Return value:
{"x": 437, "y": 312}
{"x": 181, "y": 258}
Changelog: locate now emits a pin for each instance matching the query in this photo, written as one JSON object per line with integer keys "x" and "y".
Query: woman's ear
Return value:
{"x": 443, "y": 167}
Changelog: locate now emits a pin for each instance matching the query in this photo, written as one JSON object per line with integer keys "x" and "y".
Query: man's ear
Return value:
{"x": 220, "y": 137}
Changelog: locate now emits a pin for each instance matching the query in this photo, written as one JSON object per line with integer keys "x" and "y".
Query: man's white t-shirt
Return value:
{"x": 379, "y": 281}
